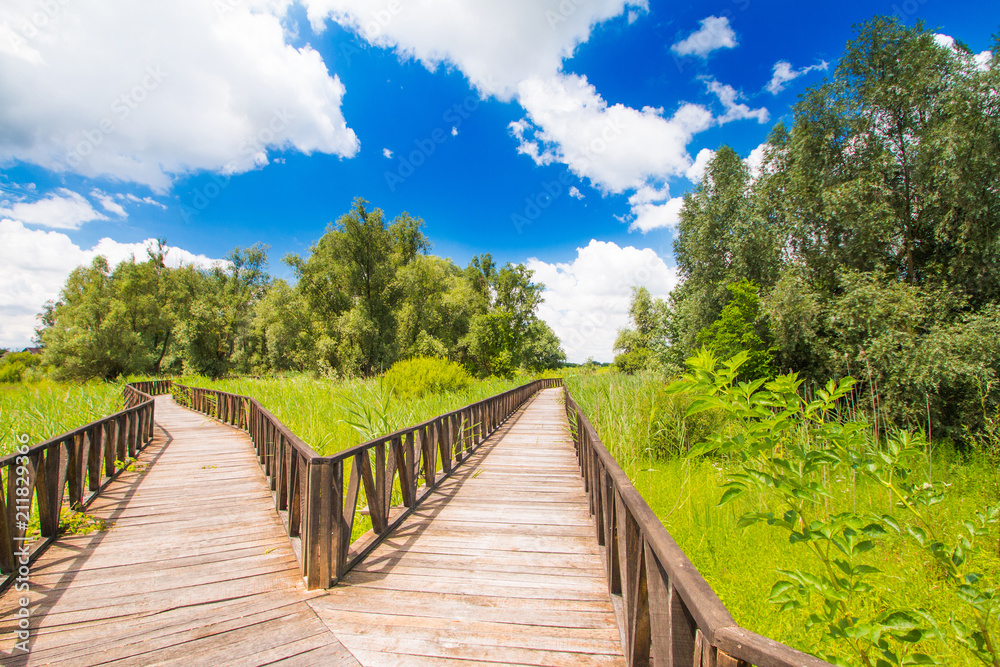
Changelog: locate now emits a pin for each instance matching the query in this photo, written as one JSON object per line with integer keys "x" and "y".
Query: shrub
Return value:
{"x": 16, "y": 365}
{"x": 416, "y": 377}
{"x": 634, "y": 361}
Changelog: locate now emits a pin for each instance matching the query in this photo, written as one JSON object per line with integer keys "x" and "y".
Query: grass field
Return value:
{"x": 320, "y": 411}
{"x": 45, "y": 409}
{"x": 742, "y": 564}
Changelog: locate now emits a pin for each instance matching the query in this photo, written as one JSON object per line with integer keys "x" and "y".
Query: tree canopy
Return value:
{"x": 368, "y": 294}
{"x": 871, "y": 234}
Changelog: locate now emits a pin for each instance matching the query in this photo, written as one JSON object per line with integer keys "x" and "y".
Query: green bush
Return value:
{"x": 416, "y": 377}
{"x": 16, "y": 365}
{"x": 634, "y": 361}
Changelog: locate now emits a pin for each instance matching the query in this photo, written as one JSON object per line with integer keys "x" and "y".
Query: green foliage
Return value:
{"x": 634, "y": 360}
{"x": 417, "y": 377}
{"x": 367, "y": 295}
{"x": 18, "y": 367}
{"x": 740, "y": 328}
{"x": 42, "y": 410}
{"x": 790, "y": 450}
{"x": 875, "y": 246}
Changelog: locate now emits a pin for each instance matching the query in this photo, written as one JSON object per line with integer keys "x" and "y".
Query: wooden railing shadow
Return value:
{"x": 70, "y": 564}
{"x": 406, "y": 534}
{"x": 669, "y": 613}
{"x": 320, "y": 497}
{"x": 68, "y": 470}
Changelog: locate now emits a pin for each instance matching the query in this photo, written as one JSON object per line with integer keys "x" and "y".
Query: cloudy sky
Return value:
{"x": 559, "y": 133}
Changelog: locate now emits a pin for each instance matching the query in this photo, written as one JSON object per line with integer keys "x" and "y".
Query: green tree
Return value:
{"x": 741, "y": 328}
{"x": 350, "y": 280}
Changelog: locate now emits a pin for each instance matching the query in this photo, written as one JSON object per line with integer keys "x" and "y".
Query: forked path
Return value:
{"x": 499, "y": 564}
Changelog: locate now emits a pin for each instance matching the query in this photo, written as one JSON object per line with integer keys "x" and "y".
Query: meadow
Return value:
{"x": 644, "y": 428}
{"x": 41, "y": 410}
{"x": 332, "y": 415}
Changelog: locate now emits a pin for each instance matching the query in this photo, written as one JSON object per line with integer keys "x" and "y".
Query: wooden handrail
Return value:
{"x": 670, "y": 615}
{"x": 320, "y": 495}
{"x": 70, "y": 468}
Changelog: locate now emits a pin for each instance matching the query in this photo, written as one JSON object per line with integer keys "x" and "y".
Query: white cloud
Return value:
{"x": 755, "y": 161}
{"x": 145, "y": 91}
{"x": 648, "y": 216}
{"x": 387, "y": 153}
{"x": 616, "y": 147}
{"x": 783, "y": 72}
{"x": 108, "y": 203}
{"x": 715, "y": 33}
{"x": 981, "y": 60}
{"x": 575, "y": 193}
{"x": 454, "y": 131}
{"x": 734, "y": 110}
{"x": 63, "y": 209}
{"x": 697, "y": 170}
{"x": 586, "y": 300}
{"x": 944, "y": 41}
{"x": 475, "y": 35}
{"x": 144, "y": 200}
{"x": 36, "y": 264}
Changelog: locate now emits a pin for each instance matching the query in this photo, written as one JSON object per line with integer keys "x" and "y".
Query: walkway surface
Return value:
{"x": 499, "y": 564}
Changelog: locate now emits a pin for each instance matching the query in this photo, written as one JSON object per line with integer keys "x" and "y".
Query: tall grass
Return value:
{"x": 42, "y": 410}
{"x": 630, "y": 415}
{"x": 320, "y": 411}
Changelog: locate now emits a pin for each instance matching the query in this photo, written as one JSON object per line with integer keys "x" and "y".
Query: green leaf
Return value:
{"x": 890, "y": 521}
{"x": 918, "y": 534}
{"x": 731, "y": 493}
{"x": 781, "y": 587}
{"x": 900, "y": 621}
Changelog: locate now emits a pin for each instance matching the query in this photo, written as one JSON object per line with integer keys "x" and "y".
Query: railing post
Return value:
{"x": 319, "y": 538}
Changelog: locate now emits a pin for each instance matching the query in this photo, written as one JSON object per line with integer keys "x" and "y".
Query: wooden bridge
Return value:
{"x": 501, "y": 533}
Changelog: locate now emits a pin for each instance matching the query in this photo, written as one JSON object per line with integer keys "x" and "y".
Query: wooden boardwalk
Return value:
{"x": 499, "y": 565}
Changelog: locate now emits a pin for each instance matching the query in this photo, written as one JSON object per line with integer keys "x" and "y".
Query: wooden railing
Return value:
{"x": 319, "y": 496}
{"x": 669, "y": 614}
{"x": 70, "y": 468}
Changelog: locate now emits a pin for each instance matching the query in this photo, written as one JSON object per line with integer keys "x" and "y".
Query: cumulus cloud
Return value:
{"x": 697, "y": 170}
{"x": 783, "y": 72}
{"x": 981, "y": 60}
{"x": 144, "y": 91}
{"x": 36, "y": 264}
{"x": 64, "y": 209}
{"x": 475, "y": 35}
{"x": 575, "y": 193}
{"x": 728, "y": 97}
{"x": 614, "y": 146}
{"x": 586, "y": 300}
{"x": 660, "y": 212}
{"x": 755, "y": 161}
{"x": 715, "y": 33}
{"x": 108, "y": 203}
{"x": 387, "y": 153}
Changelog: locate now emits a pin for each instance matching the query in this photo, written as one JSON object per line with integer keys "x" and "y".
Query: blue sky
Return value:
{"x": 557, "y": 133}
